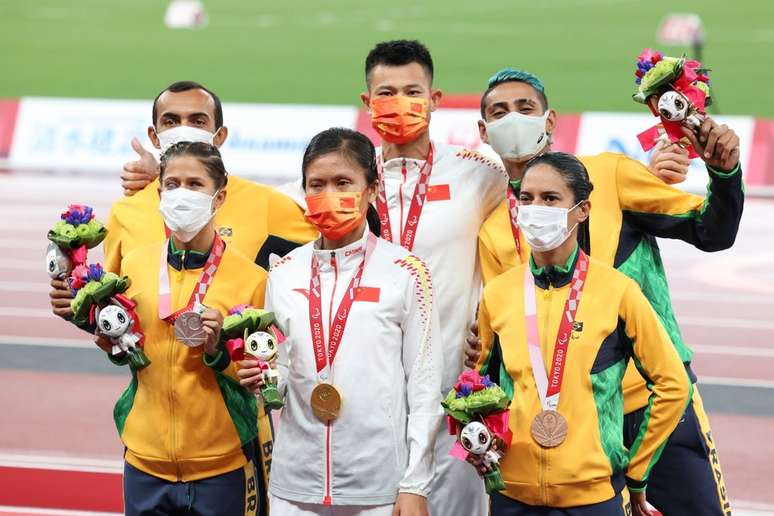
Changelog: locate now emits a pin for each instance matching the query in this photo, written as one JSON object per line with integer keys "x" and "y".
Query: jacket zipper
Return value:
{"x": 327, "y": 499}
{"x": 543, "y": 459}
{"x": 403, "y": 173}
{"x": 171, "y": 368}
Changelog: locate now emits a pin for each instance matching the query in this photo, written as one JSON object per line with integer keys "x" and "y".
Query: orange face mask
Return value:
{"x": 334, "y": 214}
{"x": 398, "y": 118}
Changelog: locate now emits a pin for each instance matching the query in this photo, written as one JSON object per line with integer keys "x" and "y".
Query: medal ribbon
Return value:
{"x": 199, "y": 291}
{"x": 549, "y": 385}
{"x": 513, "y": 211}
{"x": 409, "y": 231}
{"x": 336, "y": 331}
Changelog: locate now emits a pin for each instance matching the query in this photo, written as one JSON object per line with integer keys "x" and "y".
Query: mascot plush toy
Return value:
{"x": 253, "y": 333}
{"x": 100, "y": 304}
{"x": 677, "y": 91}
{"x": 477, "y": 413}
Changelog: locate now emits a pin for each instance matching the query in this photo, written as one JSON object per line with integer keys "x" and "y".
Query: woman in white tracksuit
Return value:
{"x": 361, "y": 364}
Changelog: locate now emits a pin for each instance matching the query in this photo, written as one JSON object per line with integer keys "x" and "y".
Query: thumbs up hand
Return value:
{"x": 137, "y": 174}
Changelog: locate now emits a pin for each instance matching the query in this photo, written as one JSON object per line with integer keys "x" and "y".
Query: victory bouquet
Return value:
{"x": 677, "y": 91}
{"x": 100, "y": 302}
{"x": 71, "y": 237}
{"x": 477, "y": 413}
{"x": 249, "y": 332}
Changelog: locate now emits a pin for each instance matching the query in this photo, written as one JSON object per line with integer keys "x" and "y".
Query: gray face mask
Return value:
{"x": 517, "y": 136}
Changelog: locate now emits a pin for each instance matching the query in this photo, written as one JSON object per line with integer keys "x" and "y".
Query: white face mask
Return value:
{"x": 186, "y": 212}
{"x": 544, "y": 227}
{"x": 517, "y": 136}
{"x": 183, "y": 133}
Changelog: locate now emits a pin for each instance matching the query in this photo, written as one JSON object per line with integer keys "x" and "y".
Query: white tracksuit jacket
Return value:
{"x": 447, "y": 233}
{"x": 388, "y": 370}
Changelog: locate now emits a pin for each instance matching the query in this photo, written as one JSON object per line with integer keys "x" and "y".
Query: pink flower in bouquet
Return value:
{"x": 78, "y": 277}
{"x": 238, "y": 309}
{"x": 469, "y": 382}
{"x": 78, "y": 214}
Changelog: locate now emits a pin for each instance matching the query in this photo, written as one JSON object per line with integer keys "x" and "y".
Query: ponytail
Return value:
{"x": 372, "y": 216}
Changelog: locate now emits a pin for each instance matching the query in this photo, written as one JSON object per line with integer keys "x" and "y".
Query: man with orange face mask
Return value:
{"x": 432, "y": 200}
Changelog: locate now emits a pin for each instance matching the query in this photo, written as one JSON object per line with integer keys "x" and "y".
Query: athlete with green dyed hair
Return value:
{"x": 632, "y": 207}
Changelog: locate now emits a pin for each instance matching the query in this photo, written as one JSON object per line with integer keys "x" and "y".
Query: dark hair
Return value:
{"x": 354, "y": 146}
{"x": 181, "y": 86}
{"x": 513, "y": 75}
{"x": 576, "y": 177}
{"x": 208, "y": 155}
{"x": 399, "y": 52}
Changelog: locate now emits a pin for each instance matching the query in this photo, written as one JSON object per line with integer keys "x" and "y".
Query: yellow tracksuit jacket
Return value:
{"x": 614, "y": 323}
{"x": 630, "y": 207}
{"x": 185, "y": 417}
{"x": 254, "y": 219}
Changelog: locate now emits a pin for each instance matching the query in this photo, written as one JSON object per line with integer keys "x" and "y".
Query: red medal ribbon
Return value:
{"x": 339, "y": 322}
{"x": 409, "y": 231}
{"x": 549, "y": 385}
{"x": 199, "y": 291}
{"x": 513, "y": 212}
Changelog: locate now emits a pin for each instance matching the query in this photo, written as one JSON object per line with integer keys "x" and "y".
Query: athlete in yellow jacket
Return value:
{"x": 580, "y": 468}
{"x": 255, "y": 219}
{"x": 187, "y": 425}
{"x": 631, "y": 207}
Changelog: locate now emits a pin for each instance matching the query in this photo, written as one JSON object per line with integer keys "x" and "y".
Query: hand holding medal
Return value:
{"x": 477, "y": 413}
{"x": 199, "y": 327}
{"x": 194, "y": 324}
{"x": 253, "y": 334}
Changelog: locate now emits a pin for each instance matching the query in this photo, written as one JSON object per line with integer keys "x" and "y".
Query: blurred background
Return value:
{"x": 76, "y": 83}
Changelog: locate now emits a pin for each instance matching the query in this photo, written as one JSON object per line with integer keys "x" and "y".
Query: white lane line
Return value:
{"x": 18, "y": 225}
{"x": 37, "y": 511}
{"x": 34, "y": 313}
{"x": 17, "y": 340}
{"x": 727, "y": 322}
{"x": 17, "y": 243}
{"x": 736, "y": 382}
{"x": 91, "y": 464}
{"x": 24, "y": 265}
{"x": 736, "y": 351}
{"x": 752, "y": 299}
{"x": 756, "y": 506}
{"x": 24, "y": 286}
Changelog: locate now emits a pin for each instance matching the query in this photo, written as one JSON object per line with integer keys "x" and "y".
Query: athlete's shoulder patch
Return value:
{"x": 471, "y": 155}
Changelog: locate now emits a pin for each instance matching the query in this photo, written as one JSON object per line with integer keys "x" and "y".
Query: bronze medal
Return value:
{"x": 326, "y": 402}
{"x": 549, "y": 429}
{"x": 189, "y": 329}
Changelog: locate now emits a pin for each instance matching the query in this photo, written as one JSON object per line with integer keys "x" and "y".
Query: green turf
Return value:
{"x": 313, "y": 52}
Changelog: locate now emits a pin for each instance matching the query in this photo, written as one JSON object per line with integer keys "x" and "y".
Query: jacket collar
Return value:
{"x": 555, "y": 276}
{"x": 394, "y": 166}
{"x": 180, "y": 259}
{"x": 346, "y": 257}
